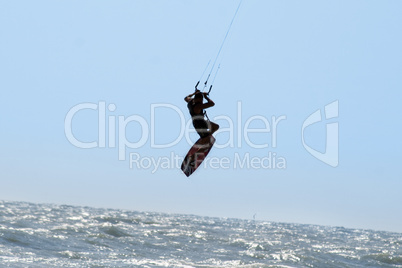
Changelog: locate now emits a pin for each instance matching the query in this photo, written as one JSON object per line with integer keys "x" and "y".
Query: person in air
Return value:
{"x": 196, "y": 108}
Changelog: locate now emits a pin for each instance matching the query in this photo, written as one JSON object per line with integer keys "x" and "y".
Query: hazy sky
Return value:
{"x": 120, "y": 69}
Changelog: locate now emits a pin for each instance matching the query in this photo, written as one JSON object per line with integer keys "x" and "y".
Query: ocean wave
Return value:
{"x": 44, "y": 235}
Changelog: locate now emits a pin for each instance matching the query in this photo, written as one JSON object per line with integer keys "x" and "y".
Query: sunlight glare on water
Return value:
{"x": 43, "y": 235}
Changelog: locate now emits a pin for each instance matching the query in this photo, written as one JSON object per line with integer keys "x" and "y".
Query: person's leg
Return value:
{"x": 205, "y": 128}
{"x": 201, "y": 126}
{"x": 214, "y": 127}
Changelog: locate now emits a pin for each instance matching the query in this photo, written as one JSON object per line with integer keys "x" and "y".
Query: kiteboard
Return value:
{"x": 197, "y": 154}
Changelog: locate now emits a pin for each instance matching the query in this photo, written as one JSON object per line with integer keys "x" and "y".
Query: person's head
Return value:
{"x": 198, "y": 97}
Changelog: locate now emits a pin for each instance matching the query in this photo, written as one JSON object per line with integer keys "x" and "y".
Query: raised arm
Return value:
{"x": 188, "y": 97}
{"x": 209, "y": 102}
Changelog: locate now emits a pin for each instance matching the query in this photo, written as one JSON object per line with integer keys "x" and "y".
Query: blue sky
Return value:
{"x": 281, "y": 58}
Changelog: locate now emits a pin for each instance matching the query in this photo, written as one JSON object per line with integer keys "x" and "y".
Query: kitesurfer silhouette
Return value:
{"x": 196, "y": 108}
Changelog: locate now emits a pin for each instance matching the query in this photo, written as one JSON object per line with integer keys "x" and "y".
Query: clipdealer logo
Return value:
{"x": 331, "y": 154}
{"x": 112, "y": 133}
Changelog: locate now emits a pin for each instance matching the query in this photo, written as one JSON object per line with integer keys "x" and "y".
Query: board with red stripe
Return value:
{"x": 197, "y": 154}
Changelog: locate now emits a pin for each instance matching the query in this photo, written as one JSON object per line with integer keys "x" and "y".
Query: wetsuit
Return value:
{"x": 199, "y": 123}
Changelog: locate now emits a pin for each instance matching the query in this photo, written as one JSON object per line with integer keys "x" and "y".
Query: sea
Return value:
{"x": 47, "y": 235}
